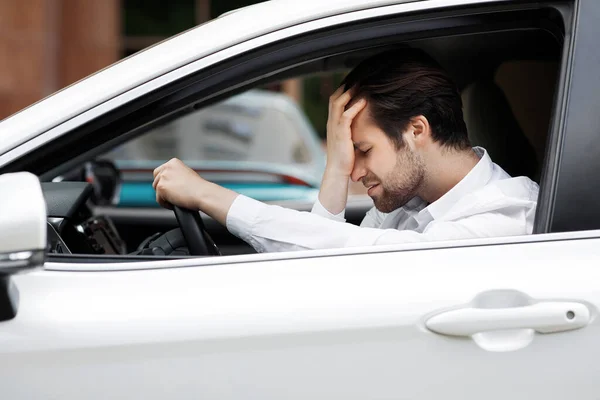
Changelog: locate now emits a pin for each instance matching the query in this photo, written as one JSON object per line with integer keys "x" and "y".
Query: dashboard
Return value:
{"x": 72, "y": 228}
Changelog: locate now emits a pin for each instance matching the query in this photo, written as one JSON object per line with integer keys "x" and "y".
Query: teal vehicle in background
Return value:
{"x": 258, "y": 143}
{"x": 263, "y": 182}
{"x": 140, "y": 194}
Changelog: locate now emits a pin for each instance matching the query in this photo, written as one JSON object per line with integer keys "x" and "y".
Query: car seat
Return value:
{"x": 492, "y": 125}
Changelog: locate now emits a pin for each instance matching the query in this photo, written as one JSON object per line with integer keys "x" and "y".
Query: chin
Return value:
{"x": 384, "y": 207}
{"x": 387, "y": 205}
{"x": 385, "y": 210}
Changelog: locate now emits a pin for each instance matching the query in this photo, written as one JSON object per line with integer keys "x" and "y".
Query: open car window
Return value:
{"x": 257, "y": 126}
{"x": 261, "y": 143}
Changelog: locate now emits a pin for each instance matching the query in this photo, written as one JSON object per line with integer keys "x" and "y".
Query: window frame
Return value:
{"x": 194, "y": 89}
{"x": 573, "y": 201}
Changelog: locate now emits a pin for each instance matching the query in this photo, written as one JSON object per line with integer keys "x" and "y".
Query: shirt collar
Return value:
{"x": 477, "y": 178}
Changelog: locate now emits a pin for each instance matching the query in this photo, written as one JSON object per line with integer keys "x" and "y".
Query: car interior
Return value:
{"x": 508, "y": 79}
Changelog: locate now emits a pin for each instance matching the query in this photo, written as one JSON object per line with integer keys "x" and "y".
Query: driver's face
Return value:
{"x": 391, "y": 175}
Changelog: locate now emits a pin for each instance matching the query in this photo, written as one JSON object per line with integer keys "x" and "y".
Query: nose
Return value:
{"x": 358, "y": 171}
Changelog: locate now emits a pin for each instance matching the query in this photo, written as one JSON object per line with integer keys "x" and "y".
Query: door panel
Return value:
{"x": 348, "y": 327}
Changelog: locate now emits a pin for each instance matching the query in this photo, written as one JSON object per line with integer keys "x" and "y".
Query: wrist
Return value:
{"x": 215, "y": 200}
{"x": 201, "y": 195}
{"x": 334, "y": 191}
{"x": 337, "y": 172}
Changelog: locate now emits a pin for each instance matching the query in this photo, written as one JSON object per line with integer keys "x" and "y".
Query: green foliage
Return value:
{"x": 218, "y": 7}
{"x": 317, "y": 90}
{"x": 168, "y": 18}
{"x": 157, "y": 17}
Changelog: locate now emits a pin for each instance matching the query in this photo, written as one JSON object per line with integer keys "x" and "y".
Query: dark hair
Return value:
{"x": 404, "y": 83}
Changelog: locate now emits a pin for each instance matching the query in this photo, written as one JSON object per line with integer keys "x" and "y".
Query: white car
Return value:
{"x": 91, "y": 309}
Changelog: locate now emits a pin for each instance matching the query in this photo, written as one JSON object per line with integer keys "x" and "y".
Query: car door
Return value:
{"x": 493, "y": 318}
{"x": 490, "y": 320}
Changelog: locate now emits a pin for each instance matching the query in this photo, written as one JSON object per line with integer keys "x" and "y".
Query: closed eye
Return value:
{"x": 363, "y": 152}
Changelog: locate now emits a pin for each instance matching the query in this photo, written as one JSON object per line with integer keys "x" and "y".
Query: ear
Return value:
{"x": 421, "y": 130}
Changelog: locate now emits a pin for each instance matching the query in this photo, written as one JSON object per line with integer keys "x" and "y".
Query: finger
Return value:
{"x": 337, "y": 92}
{"x": 351, "y": 91}
{"x": 155, "y": 182}
{"x": 157, "y": 170}
{"x": 343, "y": 100}
{"x": 162, "y": 202}
{"x": 337, "y": 107}
{"x": 335, "y": 95}
{"x": 166, "y": 204}
{"x": 353, "y": 111}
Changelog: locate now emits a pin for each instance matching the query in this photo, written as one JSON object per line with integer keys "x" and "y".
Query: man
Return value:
{"x": 396, "y": 125}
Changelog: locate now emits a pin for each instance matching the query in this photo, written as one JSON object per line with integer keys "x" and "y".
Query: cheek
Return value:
{"x": 386, "y": 164}
{"x": 375, "y": 169}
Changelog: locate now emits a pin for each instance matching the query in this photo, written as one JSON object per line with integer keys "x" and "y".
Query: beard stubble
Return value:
{"x": 401, "y": 184}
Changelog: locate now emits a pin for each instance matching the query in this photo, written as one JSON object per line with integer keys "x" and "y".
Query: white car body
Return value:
{"x": 513, "y": 317}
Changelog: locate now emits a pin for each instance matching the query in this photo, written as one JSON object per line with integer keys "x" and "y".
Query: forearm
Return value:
{"x": 334, "y": 191}
{"x": 270, "y": 228}
{"x": 215, "y": 201}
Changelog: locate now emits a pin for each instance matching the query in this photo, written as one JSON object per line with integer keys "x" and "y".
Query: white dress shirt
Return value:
{"x": 486, "y": 202}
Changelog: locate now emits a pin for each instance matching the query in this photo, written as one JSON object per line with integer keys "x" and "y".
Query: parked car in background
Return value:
{"x": 258, "y": 143}
{"x": 97, "y": 302}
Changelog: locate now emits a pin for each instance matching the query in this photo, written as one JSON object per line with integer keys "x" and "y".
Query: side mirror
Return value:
{"x": 23, "y": 227}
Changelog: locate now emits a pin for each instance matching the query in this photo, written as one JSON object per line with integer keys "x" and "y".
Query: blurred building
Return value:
{"x": 46, "y": 45}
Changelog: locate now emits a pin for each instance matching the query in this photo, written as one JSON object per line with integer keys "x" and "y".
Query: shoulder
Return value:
{"x": 517, "y": 194}
{"x": 520, "y": 187}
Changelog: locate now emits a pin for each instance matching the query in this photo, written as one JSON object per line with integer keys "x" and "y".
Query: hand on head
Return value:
{"x": 340, "y": 149}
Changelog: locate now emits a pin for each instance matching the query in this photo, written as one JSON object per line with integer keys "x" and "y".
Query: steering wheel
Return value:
{"x": 199, "y": 241}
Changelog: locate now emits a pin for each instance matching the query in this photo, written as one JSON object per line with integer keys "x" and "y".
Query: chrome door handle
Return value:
{"x": 543, "y": 317}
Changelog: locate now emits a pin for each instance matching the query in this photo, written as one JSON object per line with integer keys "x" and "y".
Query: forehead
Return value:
{"x": 363, "y": 127}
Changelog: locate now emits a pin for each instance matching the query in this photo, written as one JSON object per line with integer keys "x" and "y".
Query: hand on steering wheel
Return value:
{"x": 199, "y": 241}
